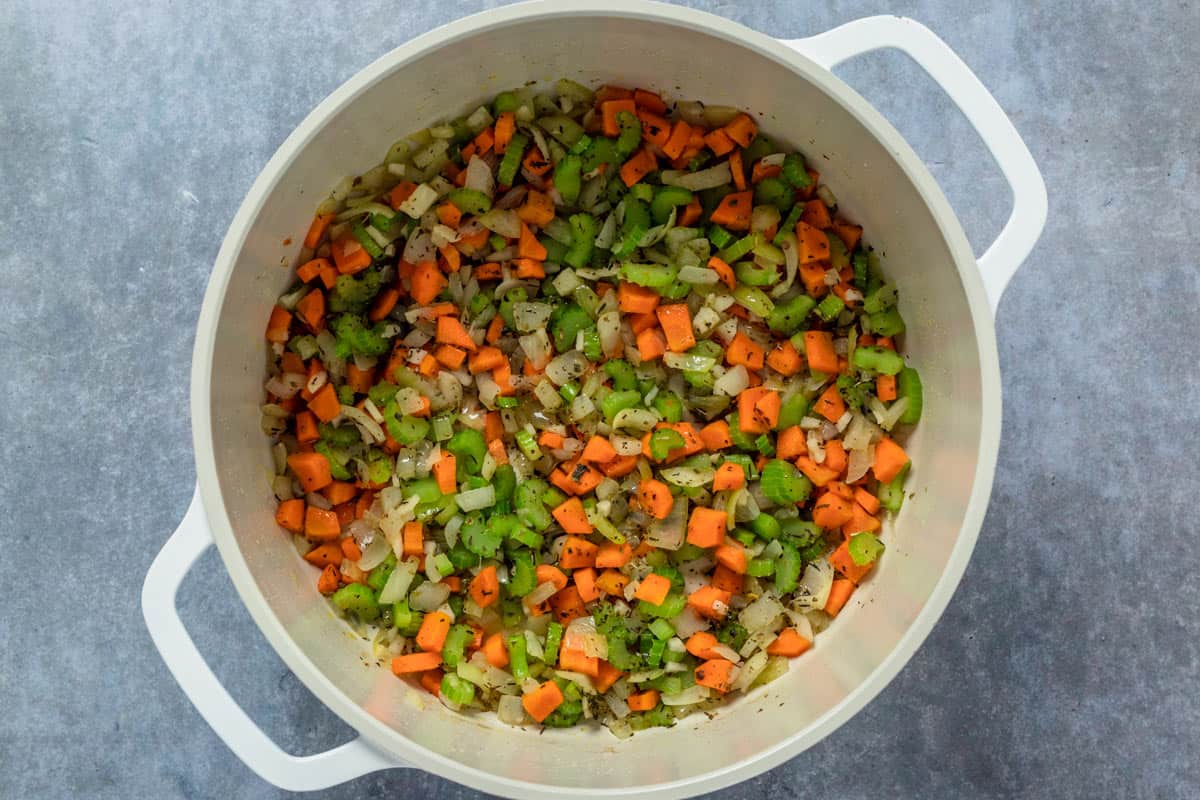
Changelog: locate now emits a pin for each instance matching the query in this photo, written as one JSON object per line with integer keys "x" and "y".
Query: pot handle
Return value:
{"x": 220, "y": 711}
{"x": 1002, "y": 259}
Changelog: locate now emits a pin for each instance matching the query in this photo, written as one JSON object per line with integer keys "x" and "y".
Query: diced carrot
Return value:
{"x": 311, "y": 270}
{"x": 885, "y": 388}
{"x": 641, "y": 164}
{"x": 612, "y": 583}
{"x": 613, "y": 555}
{"x": 548, "y": 573}
{"x": 496, "y": 448}
{"x": 608, "y": 114}
{"x": 278, "y": 324}
{"x": 651, "y": 345}
{"x": 715, "y": 435}
{"x": 758, "y": 409}
{"x": 676, "y": 322}
{"x": 444, "y": 473}
{"x": 791, "y": 443}
{"x": 729, "y": 476}
{"x": 816, "y": 214}
{"x": 835, "y": 456}
{"x": 832, "y": 511}
{"x": 427, "y": 283}
{"x": 528, "y": 245}
{"x": 691, "y": 213}
{"x": 715, "y": 674}
{"x": 486, "y": 359}
{"x": 890, "y": 458}
{"x": 575, "y": 478}
{"x": 681, "y": 132}
{"x": 838, "y": 595}
{"x": 329, "y": 580}
{"x": 868, "y": 501}
{"x": 634, "y": 299}
{"x": 506, "y": 126}
{"x": 401, "y": 192}
{"x": 484, "y": 588}
{"x": 812, "y": 275}
{"x": 643, "y": 701}
{"x": 495, "y": 650}
{"x": 619, "y": 466}
{"x": 643, "y": 322}
{"x": 784, "y": 358}
{"x": 428, "y": 366}
{"x": 321, "y": 525}
{"x": 451, "y": 331}
{"x": 724, "y": 272}
{"x": 733, "y": 212}
{"x": 538, "y": 209}
{"x": 432, "y": 633}
{"x": 383, "y": 303}
{"x": 701, "y": 644}
{"x": 542, "y": 701}
{"x": 350, "y": 549}
{"x": 529, "y": 268}
{"x": 813, "y": 243}
{"x": 536, "y": 163}
{"x": 306, "y": 427}
{"x": 598, "y": 451}
{"x": 312, "y": 470}
{"x": 719, "y": 142}
{"x": 552, "y": 440}
{"x": 706, "y": 527}
{"x": 606, "y": 675}
{"x": 733, "y": 556}
{"x": 417, "y": 662}
{"x": 817, "y": 473}
{"x": 290, "y": 515}
{"x": 841, "y": 561}
{"x": 745, "y": 351}
{"x": 741, "y": 129}
{"x": 413, "y": 538}
{"x": 738, "y": 170}
{"x": 649, "y": 101}
{"x": 450, "y": 356}
{"x": 577, "y": 552}
{"x": 449, "y": 214}
{"x": 573, "y": 519}
{"x": 818, "y": 348}
{"x": 848, "y": 233}
{"x": 726, "y": 580}
{"x": 316, "y": 230}
{"x": 325, "y": 554}
{"x": 653, "y": 589}
{"x": 789, "y": 643}
{"x": 349, "y": 255}
{"x": 655, "y": 129}
{"x": 761, "y": 171}
{"x": 339, "y": 492}
{"x": 567, "y": 605}
{"x": 451, "y": 259}
{"x": 585, "y": 582}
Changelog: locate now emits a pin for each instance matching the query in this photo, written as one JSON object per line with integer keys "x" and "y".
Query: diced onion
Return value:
{"x": 689, "y": 696}
{"x": 420, "y": 201}
{"x": 429, "y": 596}
{"x": 635, "y": 419}
{"x": 511, "y": 710}
{"x": 760, "y": 614}
{"x": 750, "y": 671}
{"x": 733, "y": 382}
{"x": 531, "y": 316}
{"x": 503, "y": 221}
{"x": 396, "y": 588}
{"x": 698, "y": 181}
{"x": 479, "y": 176}
{"x": 475, "y": 499}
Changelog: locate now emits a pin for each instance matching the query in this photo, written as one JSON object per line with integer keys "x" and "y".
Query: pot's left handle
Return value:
{"x": 220, "y": 711}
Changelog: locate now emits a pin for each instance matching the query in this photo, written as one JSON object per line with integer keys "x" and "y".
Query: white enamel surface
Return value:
{"x": 878, "y": 181}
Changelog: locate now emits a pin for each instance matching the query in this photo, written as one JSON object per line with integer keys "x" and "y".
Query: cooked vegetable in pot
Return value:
{"x": 586, "y": 407}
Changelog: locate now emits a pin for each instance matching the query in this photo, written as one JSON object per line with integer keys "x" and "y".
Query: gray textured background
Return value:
{"x": 1066, "y": 665}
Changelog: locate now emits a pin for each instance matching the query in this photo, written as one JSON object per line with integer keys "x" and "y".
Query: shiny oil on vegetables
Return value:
{"x": 586, "y": 405}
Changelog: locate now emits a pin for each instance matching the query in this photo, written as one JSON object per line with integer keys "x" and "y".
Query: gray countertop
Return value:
{"x": 1067, "y": 663}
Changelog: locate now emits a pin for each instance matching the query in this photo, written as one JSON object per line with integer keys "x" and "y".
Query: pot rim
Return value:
{"x": 865, "y": 114}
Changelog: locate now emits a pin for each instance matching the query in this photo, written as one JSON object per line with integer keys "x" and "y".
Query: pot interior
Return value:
{"x": 683, "y": 60}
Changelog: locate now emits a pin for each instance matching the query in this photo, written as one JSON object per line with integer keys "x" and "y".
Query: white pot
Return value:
{"x": 879, "y": 182}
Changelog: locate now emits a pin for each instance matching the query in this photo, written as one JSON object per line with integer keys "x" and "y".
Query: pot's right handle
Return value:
{"x": 200, "y": 684}
{"x": 1001, "y": 261}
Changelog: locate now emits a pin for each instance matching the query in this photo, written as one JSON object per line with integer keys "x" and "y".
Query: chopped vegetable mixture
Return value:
{"x": 585, "y": 406}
